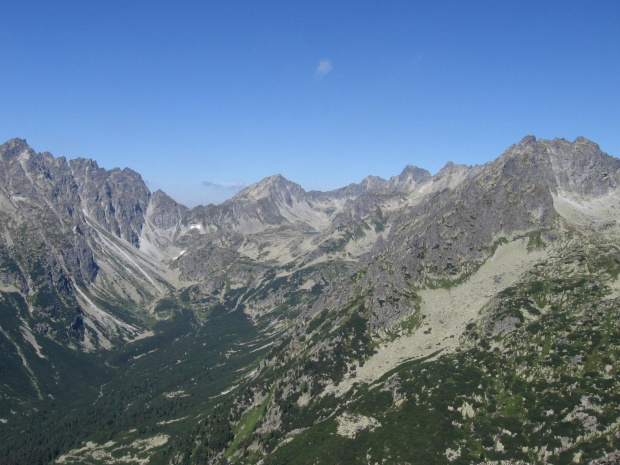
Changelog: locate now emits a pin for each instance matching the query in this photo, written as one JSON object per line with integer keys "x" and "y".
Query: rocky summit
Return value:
{"x": 470, "y": 317}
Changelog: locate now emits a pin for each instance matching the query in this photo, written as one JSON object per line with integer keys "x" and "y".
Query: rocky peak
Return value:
{"x": 13, "y": 148}
{"x": 272, "y": 187}
{"x": 581, "y": 167}
{"x": 116, "y": 199}
{"x": 451, "y": 168}
{"x": 582, "y": 141}
{"x": 368, "y": 184}
{"x": 409, "y": 178}
{"x": 371, "y": 183}
{"x": 163, "y": 211}
{"x": 572, "y": 168}
{"x": 527, "y": 140}
{"x": 416, "y": 173}
{"x": 451, "y": 175}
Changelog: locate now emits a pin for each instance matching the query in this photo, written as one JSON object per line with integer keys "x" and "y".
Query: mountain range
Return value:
{"x": 472, "y": 316}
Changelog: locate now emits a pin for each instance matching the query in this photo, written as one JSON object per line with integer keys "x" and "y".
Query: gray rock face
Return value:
{"x": 410, "y": 178}
{"x": 270, "y": 203}
{"x": 40, "y": 192}
{"x": 165, "y": 212}
{"x": 581, "y": 167}
{"x": 455, "y": 226}
{"x": 52, "y": 217}
{"x": 436, "y": 228}
{"x": 417, "y": 229}
{"x": 116, "y": 199}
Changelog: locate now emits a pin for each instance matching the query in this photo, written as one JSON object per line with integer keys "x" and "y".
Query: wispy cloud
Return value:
{"x": 225, "y": 185}
{"x": 324, "y": 68}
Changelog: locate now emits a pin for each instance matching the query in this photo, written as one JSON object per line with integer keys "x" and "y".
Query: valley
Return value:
{"x": 471, "y": 316}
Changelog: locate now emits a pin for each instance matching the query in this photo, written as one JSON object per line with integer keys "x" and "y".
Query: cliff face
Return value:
{"x": 115, "y": 199}
{"x": 39, "y": 198}
{"x": 64, "y": 233}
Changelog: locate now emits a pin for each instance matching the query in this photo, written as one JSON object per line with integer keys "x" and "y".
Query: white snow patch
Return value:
{"x": 251, "y": 374}
{"x": 229, "y": 390}
{"x": 467, "y": 410}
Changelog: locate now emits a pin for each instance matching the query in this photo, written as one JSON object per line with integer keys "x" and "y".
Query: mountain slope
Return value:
{"x": 465, "y": 317}
{"x": 468, "y": 275}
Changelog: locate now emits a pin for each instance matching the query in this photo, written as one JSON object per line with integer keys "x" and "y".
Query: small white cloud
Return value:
{"x": 227, "y": 185}
{"x": 324, "y": 68}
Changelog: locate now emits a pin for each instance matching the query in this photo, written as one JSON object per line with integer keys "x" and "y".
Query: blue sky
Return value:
{"x": 205, "y": 97}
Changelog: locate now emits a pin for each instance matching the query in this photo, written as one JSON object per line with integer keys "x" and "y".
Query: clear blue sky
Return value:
{"x": 201, "y": 97}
